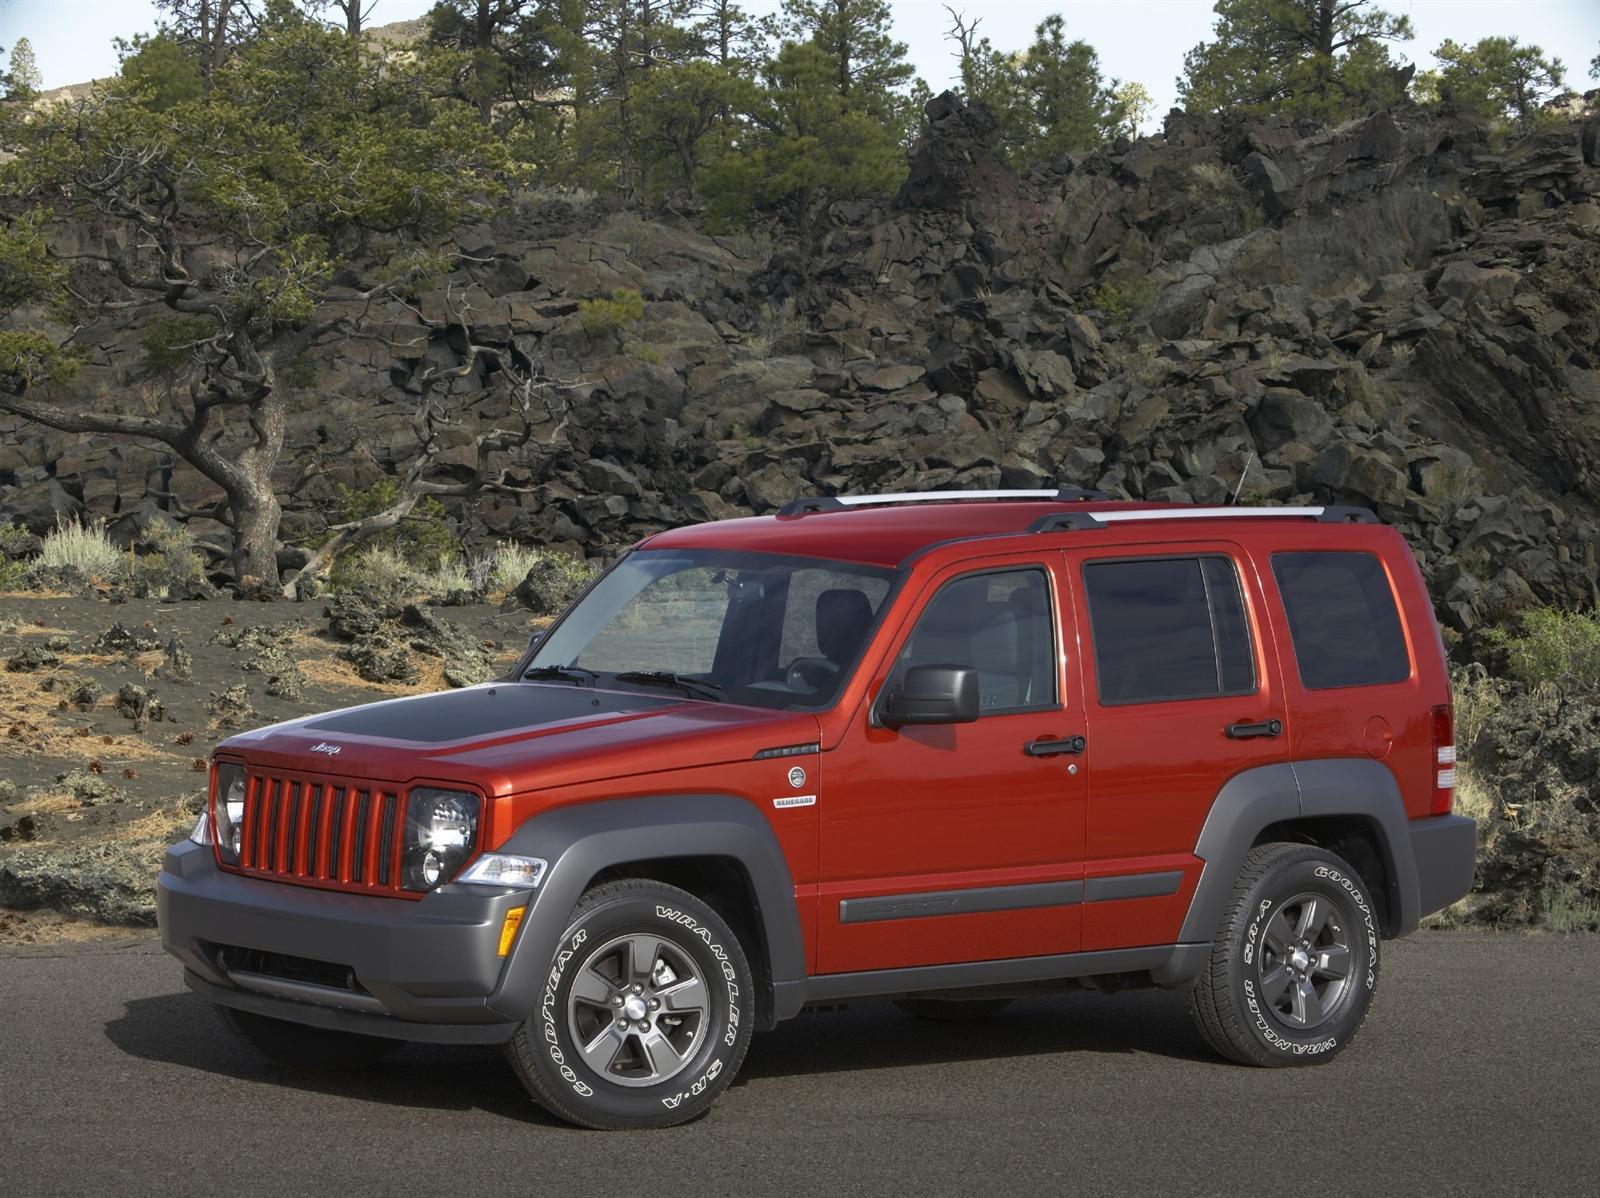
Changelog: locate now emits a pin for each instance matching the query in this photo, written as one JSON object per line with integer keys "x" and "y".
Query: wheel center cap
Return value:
{"x": 634, "y": 1008}
{"x": 1300, "y": 959}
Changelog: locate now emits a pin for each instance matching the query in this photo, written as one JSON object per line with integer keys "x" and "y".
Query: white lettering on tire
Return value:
{"x": 1252, "y": 941}
{"x": 547, "y": 1013}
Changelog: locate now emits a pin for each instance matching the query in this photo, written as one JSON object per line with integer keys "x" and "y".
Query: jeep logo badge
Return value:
{"x": 324, "y": 747}
{"x": 797, "y": 777}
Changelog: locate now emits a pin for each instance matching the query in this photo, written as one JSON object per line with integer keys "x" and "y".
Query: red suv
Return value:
{"x": 950, "y": 749}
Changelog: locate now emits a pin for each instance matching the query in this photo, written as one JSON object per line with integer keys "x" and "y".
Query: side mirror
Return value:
{"x": 931, "y": 695}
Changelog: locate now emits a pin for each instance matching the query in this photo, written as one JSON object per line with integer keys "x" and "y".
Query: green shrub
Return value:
{"x": 170, "y": 341}
{"x": 83, "y": 547}
{"x": 13, "y": 575}
{"x": 1122, "y": 302}
{"x": 15, "y": 540}
{"x": 621, "y": 311}
{"x": 423, "y": 539}
{"x": 1567, "y": 909}
{"x": 1555, "y": 648}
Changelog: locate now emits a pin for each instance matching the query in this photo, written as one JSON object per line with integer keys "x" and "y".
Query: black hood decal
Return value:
{"x": 482, "y": 711}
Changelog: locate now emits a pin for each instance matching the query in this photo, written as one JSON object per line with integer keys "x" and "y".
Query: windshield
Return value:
{"x": 767, "y": 629}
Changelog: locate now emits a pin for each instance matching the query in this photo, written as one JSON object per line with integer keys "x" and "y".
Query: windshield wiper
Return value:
{"x": 693, "y": 687}
{"x": 561, "y": 674}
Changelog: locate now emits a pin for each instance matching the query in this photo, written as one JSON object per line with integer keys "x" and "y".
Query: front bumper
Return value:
{"x": 1445, "y": 849}
{"x": 424, "y": 970}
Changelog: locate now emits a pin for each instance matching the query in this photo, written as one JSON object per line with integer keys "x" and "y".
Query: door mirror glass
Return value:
{"x": 931, "y": 695}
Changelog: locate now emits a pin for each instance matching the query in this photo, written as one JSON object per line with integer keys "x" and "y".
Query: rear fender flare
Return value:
{"x": 1257, "y": 798}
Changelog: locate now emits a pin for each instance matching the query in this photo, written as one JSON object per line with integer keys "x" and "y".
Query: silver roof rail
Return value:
{"x": 838, "y": 503}
{"x": 1073, "y": 521}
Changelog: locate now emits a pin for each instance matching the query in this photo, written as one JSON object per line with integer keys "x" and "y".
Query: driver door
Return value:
{"x": 949, "y": 843}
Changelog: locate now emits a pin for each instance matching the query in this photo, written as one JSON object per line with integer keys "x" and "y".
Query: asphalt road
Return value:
{"x": 1478, "y": 1072}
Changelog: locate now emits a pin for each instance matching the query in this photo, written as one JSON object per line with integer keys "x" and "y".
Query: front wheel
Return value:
{"x": 303, "y": 1048}
{"x": 646, "y": 1011}
{"x": 1295, "y": 963}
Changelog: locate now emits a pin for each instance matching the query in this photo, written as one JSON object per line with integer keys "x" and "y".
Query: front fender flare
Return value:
{"x": 581, "y": 840}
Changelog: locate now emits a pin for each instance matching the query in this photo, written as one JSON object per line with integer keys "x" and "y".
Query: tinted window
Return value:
{"x": 1342, "y": 618}
{"x": 998, "y": 624}
{"x": 1172, "y": 628}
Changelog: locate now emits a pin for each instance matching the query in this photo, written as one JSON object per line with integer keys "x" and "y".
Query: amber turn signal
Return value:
{"x": 508, "y": 930}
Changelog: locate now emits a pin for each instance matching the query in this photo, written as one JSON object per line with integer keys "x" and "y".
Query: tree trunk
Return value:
{"x": 255, "y": 545}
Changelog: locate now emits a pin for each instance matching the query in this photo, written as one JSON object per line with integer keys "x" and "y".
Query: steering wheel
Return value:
{"x": 811, "y": 673}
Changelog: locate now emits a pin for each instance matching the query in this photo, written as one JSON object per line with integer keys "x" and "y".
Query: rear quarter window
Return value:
{"x": 1168, "y": 628}
{"x": 1342, "y": 619}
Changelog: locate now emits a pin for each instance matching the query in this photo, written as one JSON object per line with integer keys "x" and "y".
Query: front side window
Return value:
{"x": 767, "y": 629}
{"x": 999, "y": 625}
{"x": 1168, "y": 628}
{"x": 1342, "y": 619}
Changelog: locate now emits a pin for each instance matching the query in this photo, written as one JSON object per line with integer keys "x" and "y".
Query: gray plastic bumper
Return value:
{"x": 1446, "y": 852}
{"x": 418, "y": 964}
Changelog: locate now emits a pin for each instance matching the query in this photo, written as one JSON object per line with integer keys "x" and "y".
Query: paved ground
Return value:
{"x": 1476, "y": 1074}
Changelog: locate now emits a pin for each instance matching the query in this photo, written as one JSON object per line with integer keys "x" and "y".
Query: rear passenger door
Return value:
{"x": 1183, "y": 691}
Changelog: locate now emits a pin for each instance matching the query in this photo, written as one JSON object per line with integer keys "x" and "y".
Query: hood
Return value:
{"x": 508, "y": 737}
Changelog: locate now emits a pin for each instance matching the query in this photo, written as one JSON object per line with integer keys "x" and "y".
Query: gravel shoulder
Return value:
{"x": 109, "y": 713}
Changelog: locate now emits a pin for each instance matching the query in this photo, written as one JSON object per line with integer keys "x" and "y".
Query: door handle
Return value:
{"x": 1054, "y": 748}
{"x": 1261, "y": 728}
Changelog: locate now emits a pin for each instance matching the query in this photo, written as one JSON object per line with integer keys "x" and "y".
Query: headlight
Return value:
{"x": 441, "y": 828}
{"x": 227, "y": 811}
{"x": 500, "y": 869}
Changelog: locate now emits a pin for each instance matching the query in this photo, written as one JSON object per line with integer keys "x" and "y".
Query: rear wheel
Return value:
{"x": 646, "y": 1012}
{"x": 1295, "y": 963}
{"x": 303, "y": 1048}
{"x": 952, "y": 1010}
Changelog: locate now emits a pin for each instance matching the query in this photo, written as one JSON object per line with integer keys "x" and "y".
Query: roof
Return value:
{"x": 886, "y": 530}
{"x": 877, "y": 536}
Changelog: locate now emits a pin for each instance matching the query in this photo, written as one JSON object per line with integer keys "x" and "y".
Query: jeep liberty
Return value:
{"x": 949, "y": 749}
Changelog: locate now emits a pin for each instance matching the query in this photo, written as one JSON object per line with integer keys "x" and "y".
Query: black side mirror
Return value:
{"x": 931, "y": 695}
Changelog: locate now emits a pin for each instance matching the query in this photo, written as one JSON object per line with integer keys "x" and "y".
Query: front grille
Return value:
{"x": 340, "y": 834}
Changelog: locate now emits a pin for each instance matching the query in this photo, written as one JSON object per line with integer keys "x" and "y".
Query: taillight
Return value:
{"x": 1444, "y": 760}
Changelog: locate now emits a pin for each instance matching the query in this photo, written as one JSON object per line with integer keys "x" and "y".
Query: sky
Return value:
{"x": 1136, "y": 39}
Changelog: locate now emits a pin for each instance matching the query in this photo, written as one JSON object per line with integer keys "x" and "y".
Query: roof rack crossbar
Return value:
{"x": 838, "y": 503}
{"x": 1077, "y": 521}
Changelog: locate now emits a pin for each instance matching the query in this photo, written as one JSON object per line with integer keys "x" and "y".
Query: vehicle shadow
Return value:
{"x": 181, "y": 1029}
{"x": 878, "y": 1035}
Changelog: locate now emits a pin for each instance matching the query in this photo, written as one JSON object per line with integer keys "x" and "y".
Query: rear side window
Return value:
{"x": 1342, "y": 619}
{"x": 1168, "y": 628}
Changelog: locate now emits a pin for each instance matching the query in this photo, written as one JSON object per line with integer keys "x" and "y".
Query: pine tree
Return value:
{"x": 24, "y": 70}
{"x": 1047, "y": 100}
{"x": 1321, "y": 59}
{"x": 807, "y": 147}
{"x": 867, "y": 65}
{"x": 1499, "y": 79}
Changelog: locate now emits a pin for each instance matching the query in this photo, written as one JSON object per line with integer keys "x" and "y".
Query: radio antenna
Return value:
{"x": 1242, "y": 475}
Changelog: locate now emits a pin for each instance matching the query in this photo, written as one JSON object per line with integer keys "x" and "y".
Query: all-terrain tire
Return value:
{"x": 635, "y": 948}
{"x": 303, "y": 1048}
{"x": 1295, "y": 963}
{"x": 952, "y": 1010}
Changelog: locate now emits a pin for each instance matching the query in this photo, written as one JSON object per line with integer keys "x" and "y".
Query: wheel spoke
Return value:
{"x": 1278, "y": 934}
{"x": 1274, "y": 984}
{"x": 590, "y": 987}
{"x": 664, "y": 1059}
{"x": 1307, "y": 1007}
{"x": 1333, "y": 961}
{"x": 602, "y": 1051}
{"x": 685, "y": 996}
{"x": 642, "y": 953}
{"x": 1313, "y": 914}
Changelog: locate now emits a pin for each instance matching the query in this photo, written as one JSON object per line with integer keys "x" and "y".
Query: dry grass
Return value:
{"x": 47, "y": 928}
{"x": 29, "y": 725}
{"x": 48, "y": 803}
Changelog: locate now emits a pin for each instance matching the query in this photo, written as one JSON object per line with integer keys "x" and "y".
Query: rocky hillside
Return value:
{"x": 1393, "y": 313}
{"x": 1398, "y": 312}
